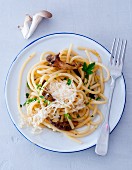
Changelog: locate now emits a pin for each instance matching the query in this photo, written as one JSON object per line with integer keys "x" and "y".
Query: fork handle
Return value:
{"x": 103, "y": 140}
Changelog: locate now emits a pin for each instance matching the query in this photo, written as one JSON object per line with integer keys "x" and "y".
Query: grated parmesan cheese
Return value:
{"x": 65, "y": 97}
{"x": 61, "y": 91}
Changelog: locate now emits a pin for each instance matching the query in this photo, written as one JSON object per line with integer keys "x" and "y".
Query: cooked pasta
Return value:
{"x": 64, "y": 91}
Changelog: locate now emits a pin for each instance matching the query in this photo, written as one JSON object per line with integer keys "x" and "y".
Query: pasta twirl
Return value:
{"x": 65, "y": 90}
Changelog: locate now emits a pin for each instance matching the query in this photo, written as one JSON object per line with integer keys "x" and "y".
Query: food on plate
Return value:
{"x": 64, "y": 92}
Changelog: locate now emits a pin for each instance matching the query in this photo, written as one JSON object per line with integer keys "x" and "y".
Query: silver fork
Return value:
{"x": 115, "y": 67}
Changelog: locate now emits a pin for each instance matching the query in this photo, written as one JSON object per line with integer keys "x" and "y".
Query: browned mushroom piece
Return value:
{"x": 43, "y": 82}
{"x": 63, "y": 125}
{"x": 77, "y": 72}
{"x": 48, "y": 96}
{"x": 56, "y": 62}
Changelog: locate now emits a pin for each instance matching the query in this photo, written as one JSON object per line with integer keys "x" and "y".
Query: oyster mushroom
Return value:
{"x": 37, "y": 18}
{"x": 63, "y": 125}
{"x": 48, "y": 96}
{"x": 25, "y": 27}
{"x": 56, "y": 62}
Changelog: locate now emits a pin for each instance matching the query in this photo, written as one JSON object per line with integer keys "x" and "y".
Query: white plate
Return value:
{"x": 50, "y": 140}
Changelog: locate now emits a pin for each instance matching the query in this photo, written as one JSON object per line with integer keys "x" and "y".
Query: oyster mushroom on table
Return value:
{"x": 31, "y": 23}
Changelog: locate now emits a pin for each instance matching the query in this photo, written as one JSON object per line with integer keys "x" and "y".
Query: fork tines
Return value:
{"x": 118, "y": 51}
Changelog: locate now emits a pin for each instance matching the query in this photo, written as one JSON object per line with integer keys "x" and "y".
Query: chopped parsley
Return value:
{"x": 68, "y": 116}
{"x": 29, "y": 101}
{"x": 90, "y": 99}
{"x": 39, "y": 86}
{"x": 38, "y": 101}
{"x": 87, "y": 103}
{"x": 47, "y": 102}
{"x": 27, "y": 95}
{"x": 69, "y": 82}
{"x": 20, "y": 105}
{"x": 88, "y": 69}
{"x": 98, "y": 98}
{"x": 42, "y": 97}
{"x": 28, "y": 86}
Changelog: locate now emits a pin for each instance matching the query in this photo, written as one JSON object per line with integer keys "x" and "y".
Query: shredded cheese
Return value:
{"x": 61, "y": 91}
{"x": 64, "y": 96}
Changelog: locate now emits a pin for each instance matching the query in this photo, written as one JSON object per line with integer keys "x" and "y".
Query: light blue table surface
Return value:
{"x": 101, "y": 20}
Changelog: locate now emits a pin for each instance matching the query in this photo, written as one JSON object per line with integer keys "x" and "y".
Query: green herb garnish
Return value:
{"x": 27, "y": 95}
{"x": 29, "y": 101}
{"x": 38, "y": 101}
{"x": 64, "y": 78}
{"x": 98, "y": 98}
{"x": 42, "y": 97}
{"x": 68, "y": 116}
{"x": 87, "y": 103}
{"x": 88, "y": 69}
{"x": 47, "y": 102}
{"x": 28, "y": 86}
{"x": 69, "y": 82}
{"x": 39, "y": 86}
{"x": 20, "y": 105}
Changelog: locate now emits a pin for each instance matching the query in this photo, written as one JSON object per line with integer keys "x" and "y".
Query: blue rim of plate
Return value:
{"x": 57, "y": 33}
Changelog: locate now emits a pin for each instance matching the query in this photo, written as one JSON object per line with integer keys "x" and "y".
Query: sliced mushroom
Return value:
{"x": 48, "y": 96}
{"x": 43, "y": 82}
{"x": 56, "y": 62}
{"x": 63, "y": 125}
{"x": 77, "y": 72}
